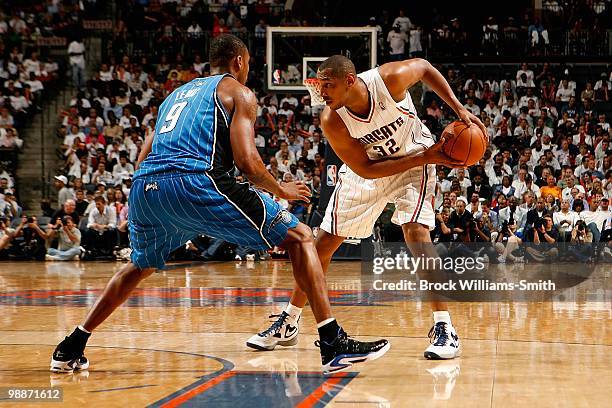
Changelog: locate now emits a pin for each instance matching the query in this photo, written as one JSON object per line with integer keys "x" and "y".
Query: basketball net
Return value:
{"x": 314, "y": 89}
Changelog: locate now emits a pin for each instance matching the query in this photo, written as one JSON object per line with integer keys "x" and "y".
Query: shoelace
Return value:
{"x": 438, "y": 336}
{"x": 277, "y": 325}
{"x": 342, "y": 336}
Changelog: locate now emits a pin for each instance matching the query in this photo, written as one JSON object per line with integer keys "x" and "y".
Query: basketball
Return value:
{"x": 464, "y": 143}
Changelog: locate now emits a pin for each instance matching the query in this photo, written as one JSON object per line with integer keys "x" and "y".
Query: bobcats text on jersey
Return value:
{"x": 382, "y": 133}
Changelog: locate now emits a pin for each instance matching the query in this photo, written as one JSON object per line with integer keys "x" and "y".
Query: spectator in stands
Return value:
{"x": 531, "y": 187}
{"x": 459, "y": 221}
{"x": 113, "y": 108}
{"x": 101, "y": 175}
{"x": 603, "y": 88}
{"x": 523, "y": 84}
{"x": 69, "y": 240}
{"x": 32, "y": 245}
{"x": 519, "y": 183}
{"x": 525, "y": 70}
{"x": 81, "y": 203}
{"x": 595, "y": 218}
{"x": 68, "y": 209}
{"x": 592, "y": 168}
{"x": 76, "y": 53}
{"x": 582, "y": 137}
{"x": 9, "y": 140}
{"x": 397, "y": 43}
{"x": 101, "y": 233}
{"x": 6, "y": 119}
{"x": 122, "y": 168}
{"x": 5, "y": 207}
{"x": 442, "y": 232}
{"x": 565, "y": 219}
{"x": 7, "y": 234}
{"x": 82, "y": 172}
{"x": 601, "y": 122}
{"x": 402, "y": 21}
{"x": 125, "y": 120}
{"x": 490, "y": 36}
{"x": 581, "y": 234}
{"x": 5, "y": 183}
{"x": 64, "y": 193}
{"x": 564, "y": 93}
{"x": 506, "y": 187}
{"x": 513, "y": 213}
{"x": 551, "y": 188}
{"x": 489, "y": 217}
{"x": 538, "y": 37}
{"x": 544, "y": 232}
{"x": 588, "y": 93}
{"x": 13, "y": 208}
{"x": 536, "y": 213}
{"x": 472, "y": 107}
{"x": 415, "y": 48}
{"x": 20, "y": 106}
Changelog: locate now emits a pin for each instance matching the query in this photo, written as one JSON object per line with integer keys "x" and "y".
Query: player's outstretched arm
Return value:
{"x": 401, "y": 75}
{"x": 353, "y": 154}
{"x": 246, "y": 156}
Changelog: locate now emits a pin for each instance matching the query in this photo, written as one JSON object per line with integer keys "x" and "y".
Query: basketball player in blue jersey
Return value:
{"x": 185, "y": 186}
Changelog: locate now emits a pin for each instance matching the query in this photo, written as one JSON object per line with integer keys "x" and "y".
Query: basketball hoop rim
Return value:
{"x": 313, "y": 86}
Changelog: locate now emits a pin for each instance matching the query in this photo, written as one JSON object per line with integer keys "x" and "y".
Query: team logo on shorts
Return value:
{"x": 382, "y": 105}
{"x": 152, "y": 186}
{"x": 332, "y": 175}
{"x": 283, "y": 217}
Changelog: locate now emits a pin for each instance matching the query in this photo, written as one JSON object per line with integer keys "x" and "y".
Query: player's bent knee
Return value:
{"x": 415, "y": 232}
{"x": 300, "y": 234}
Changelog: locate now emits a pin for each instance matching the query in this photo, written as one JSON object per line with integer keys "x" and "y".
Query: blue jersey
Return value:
{"x": 185, "y": 186}
{"x": 192, "y": 132}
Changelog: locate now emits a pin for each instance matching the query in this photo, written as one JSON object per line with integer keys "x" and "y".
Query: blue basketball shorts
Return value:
{"x": 167, "y": 210}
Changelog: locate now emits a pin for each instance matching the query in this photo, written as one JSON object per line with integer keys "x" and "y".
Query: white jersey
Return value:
{"x": 391, "y": 128}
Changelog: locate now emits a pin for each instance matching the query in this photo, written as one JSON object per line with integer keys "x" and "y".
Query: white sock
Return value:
{"x": 442, "y": 316}
{"x": 293, "y": 311}
{"x": 324, "y": 322}
{"x": 81, "y": 328}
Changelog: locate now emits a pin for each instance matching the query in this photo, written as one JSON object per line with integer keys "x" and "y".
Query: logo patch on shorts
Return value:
{"x": 152, "y": 186}
{"x": 283, "y": 217}
{"x": 332, "y": 175}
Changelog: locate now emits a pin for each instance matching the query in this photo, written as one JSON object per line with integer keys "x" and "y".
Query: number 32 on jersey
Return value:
{"x": 388, "y": 149}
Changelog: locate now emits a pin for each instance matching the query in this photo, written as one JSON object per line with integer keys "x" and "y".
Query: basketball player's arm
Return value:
{"x": 351, "y": 152}
{"x": 147, "y": 146}
{"x": 399, "y": 76}
{"x": 246, "y": 156}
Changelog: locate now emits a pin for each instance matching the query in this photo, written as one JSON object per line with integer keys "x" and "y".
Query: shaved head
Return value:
{"x": 337, "y": 66}
{"x": 224, "y": 48}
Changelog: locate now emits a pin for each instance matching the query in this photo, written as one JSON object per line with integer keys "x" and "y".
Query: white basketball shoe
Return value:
{"x": 444, "y": 341}
{"x": 283, "y": 331}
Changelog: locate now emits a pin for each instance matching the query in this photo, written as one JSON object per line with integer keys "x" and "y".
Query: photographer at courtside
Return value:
{"x": 69, "y": 240}
{"x": 544, "y": 233}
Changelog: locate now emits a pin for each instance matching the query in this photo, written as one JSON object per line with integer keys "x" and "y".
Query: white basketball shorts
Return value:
{"x": 357, "y": 203}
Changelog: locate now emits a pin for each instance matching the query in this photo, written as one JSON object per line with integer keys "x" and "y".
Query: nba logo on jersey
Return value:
{"x": 332, "y": 175}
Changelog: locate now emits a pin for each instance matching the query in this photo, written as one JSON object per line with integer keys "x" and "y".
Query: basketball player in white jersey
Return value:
{"x": 390, "y": 156}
